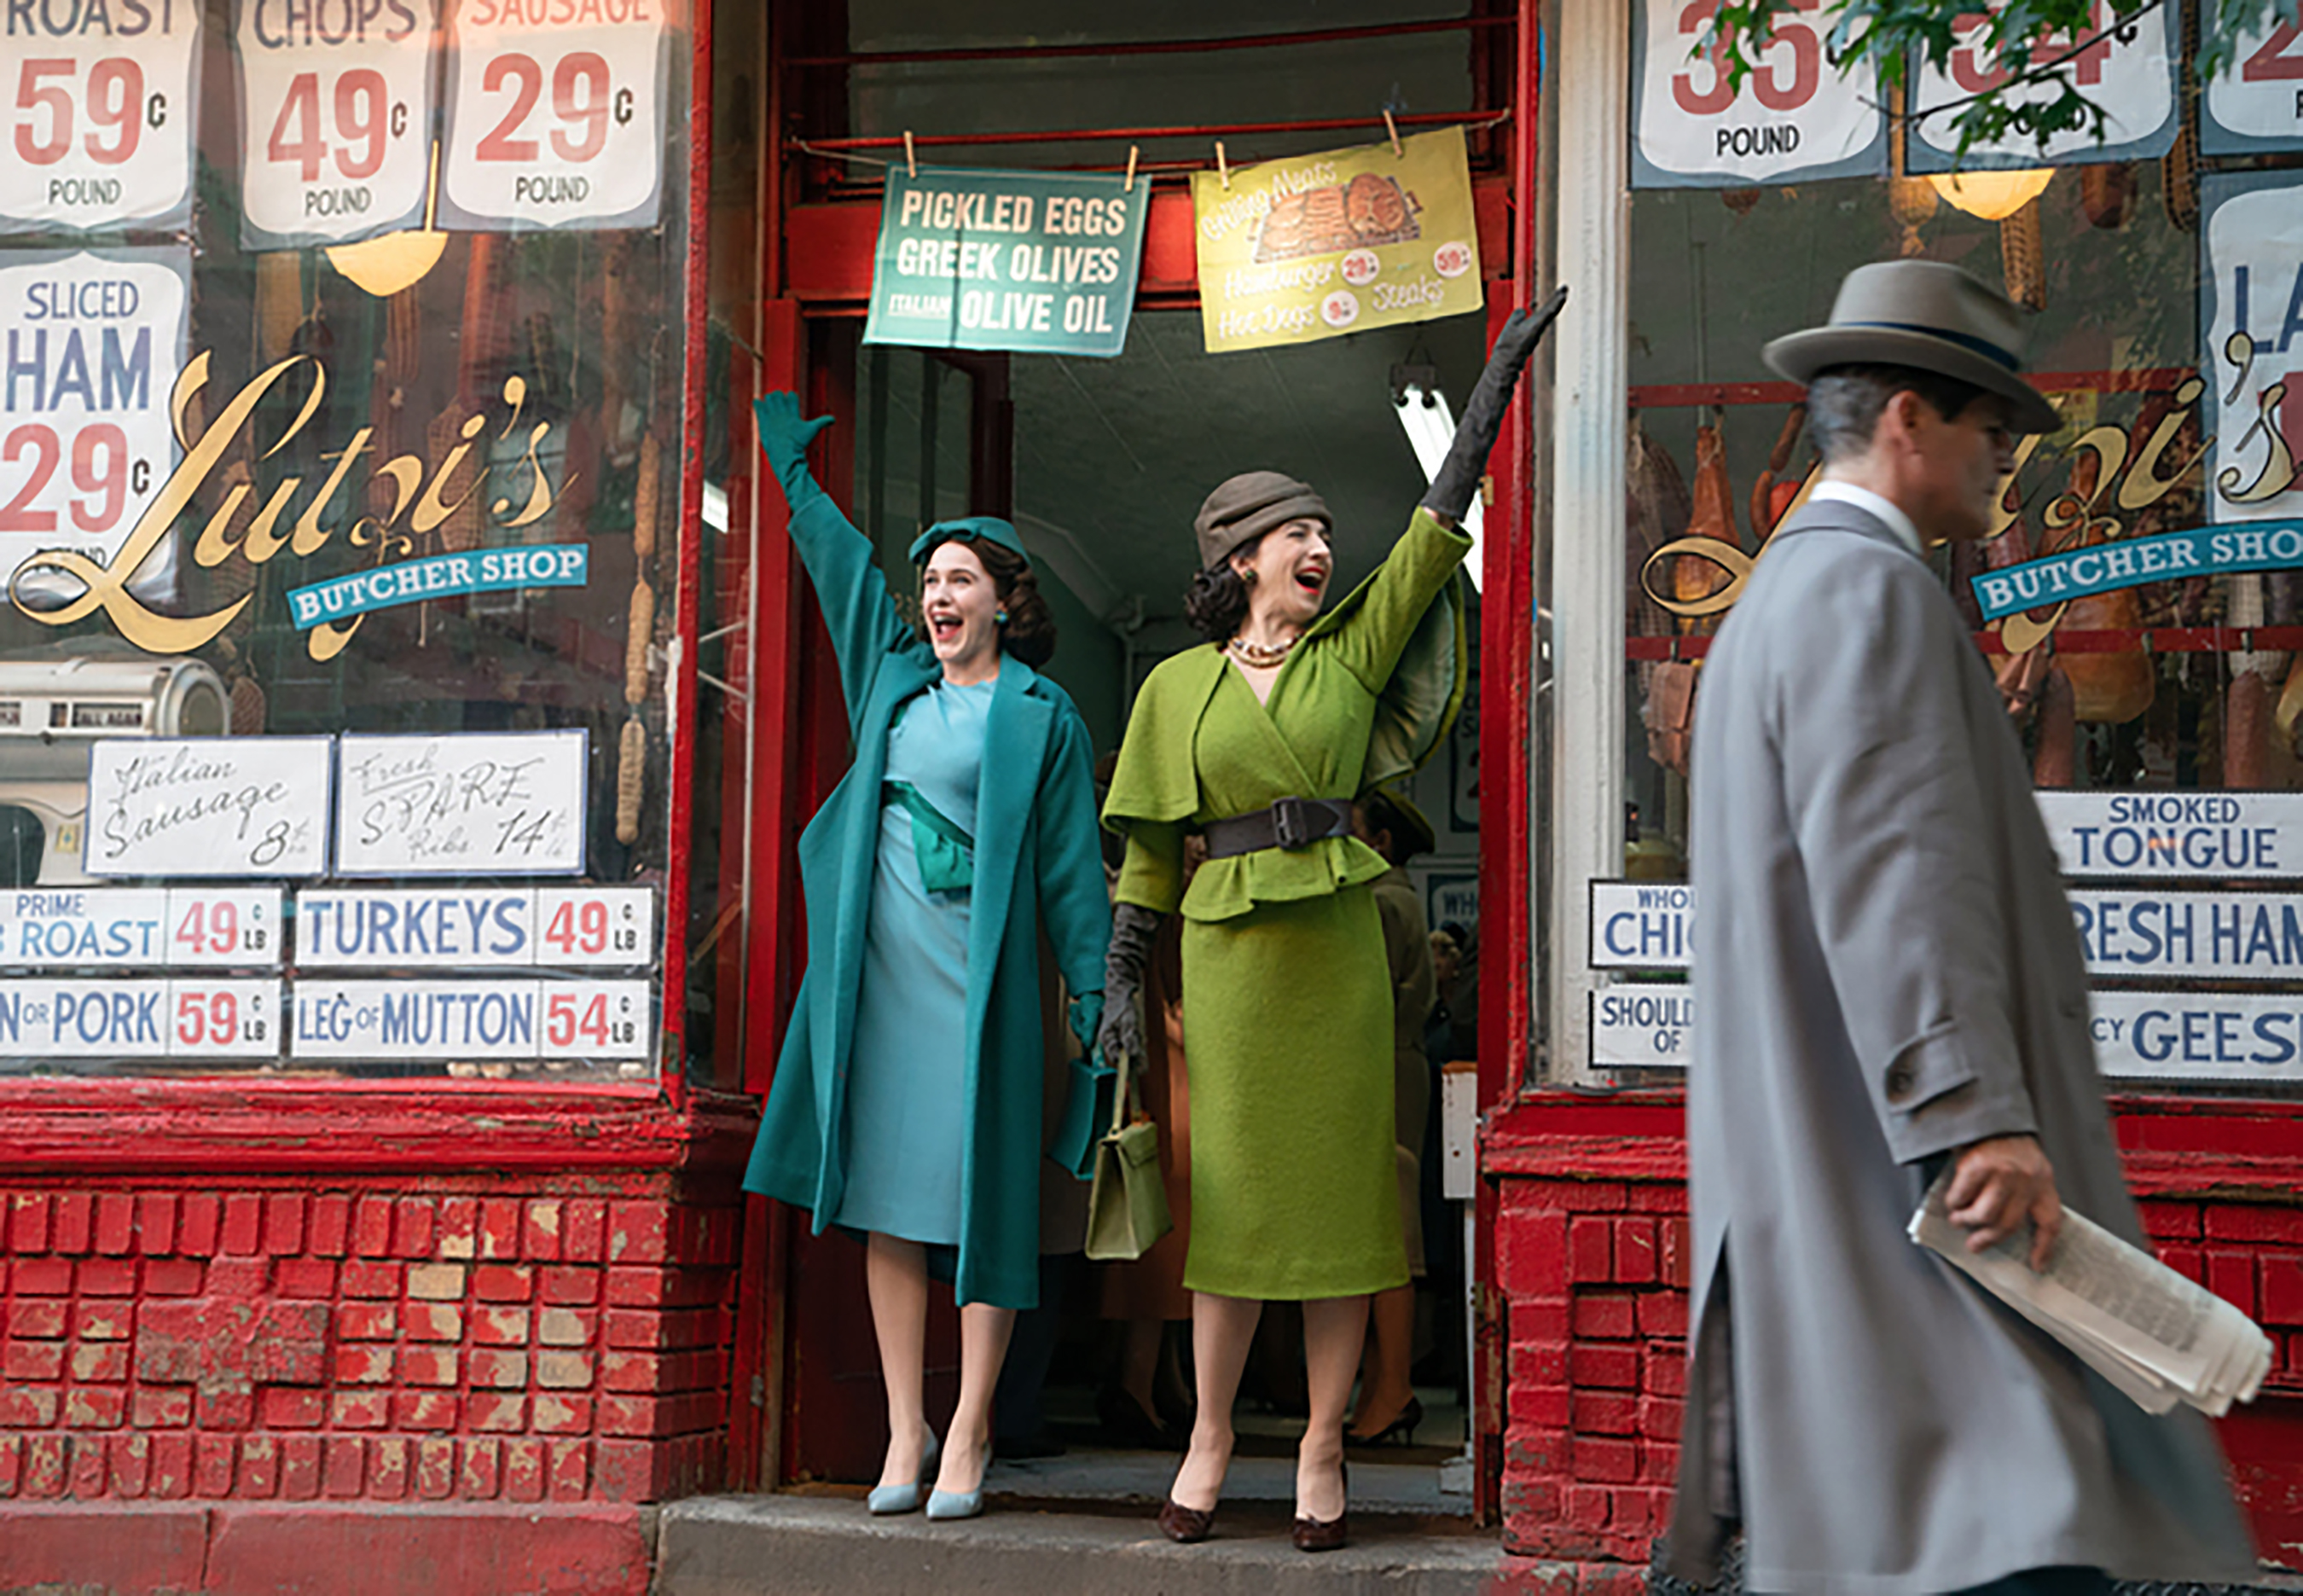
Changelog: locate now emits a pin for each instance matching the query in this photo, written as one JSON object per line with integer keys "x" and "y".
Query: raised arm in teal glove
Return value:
{"x": 784, "y": 439}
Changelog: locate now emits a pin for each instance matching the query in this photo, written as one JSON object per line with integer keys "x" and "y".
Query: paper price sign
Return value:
{"x": 2129, "y": 70}
{"x": 471, "y": 1019}
{"x": 2256, "y": 102}
{"x": 186, "y": 1018}
{"x": 99, "y": 102}
{"x": 2251, "y": 274}
{"x": 1796, "y": 116}
{"x": 90, "y": 345}
{"x": 335, "y": 119}
{"x": 75, "y": 927}
{"x": 557, "y": 114}
{"x": 476, "y": 927}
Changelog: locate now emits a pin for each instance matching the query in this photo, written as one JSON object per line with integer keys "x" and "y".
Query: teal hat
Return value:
{"x": 967, "y": 530}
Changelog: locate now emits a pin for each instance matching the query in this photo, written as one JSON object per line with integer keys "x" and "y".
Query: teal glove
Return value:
{"x": 784, "y": 438}
{"x": 1087, "y": 1019}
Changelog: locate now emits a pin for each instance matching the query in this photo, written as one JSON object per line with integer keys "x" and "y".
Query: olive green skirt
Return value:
{"x": 1287, "y": 1039}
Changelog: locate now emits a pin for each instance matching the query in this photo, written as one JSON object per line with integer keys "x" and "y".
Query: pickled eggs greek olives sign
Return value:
{"x": 1319, "y": 246}
{"x": 98, "y": 99}
{"x": 1042, "y": 262}
{"x": 558, "y": 113}
{"x": 1794, "y": 118}
{"x": 336, "y": 113}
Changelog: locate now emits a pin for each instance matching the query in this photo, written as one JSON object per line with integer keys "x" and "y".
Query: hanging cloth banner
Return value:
{"x": 336, "y": 123}
{"x": 2251, "y": 323}
{"x": 1037, "y": 262}
{"x": 105, "y": 116}
{"x": 1796, "y": 117}
{"x": 2256, "y": 103}
{"x": 1317, "y": 245}
{"x": 2131, "y": 72}
{"x": 559, "y": 115}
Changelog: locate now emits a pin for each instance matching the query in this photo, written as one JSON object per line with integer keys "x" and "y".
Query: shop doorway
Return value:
{"x": 1101, "y": 465}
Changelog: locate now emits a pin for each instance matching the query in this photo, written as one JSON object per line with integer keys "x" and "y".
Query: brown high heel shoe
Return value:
{"x": 1187, "y": 1527}
{"x": 1315, "y": 1534}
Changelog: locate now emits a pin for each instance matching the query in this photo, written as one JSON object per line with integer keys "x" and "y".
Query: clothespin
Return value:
{"x": 1392, "y": 128}
{"x": 1130, "y": 188}
{"x": 911, "y": 161}
{"x": 1222, "y": 171}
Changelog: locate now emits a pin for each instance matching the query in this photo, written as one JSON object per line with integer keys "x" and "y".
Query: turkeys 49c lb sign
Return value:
{"x": 557, "y": 114}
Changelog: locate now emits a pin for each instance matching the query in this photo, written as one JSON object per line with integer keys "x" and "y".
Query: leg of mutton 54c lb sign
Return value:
{"x": 91, "y": 344}
{"x": 99, "y": 104}
{"x": 335, "y": 118}
{"x": 558, "y": 113}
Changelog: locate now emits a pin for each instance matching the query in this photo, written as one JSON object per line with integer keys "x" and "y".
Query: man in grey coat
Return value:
{"x": 1890, "y": 983}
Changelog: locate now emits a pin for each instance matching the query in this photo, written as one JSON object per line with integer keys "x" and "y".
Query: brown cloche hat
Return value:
{"x": 1926, "y": 313}
{"x": 1249, "y": 505}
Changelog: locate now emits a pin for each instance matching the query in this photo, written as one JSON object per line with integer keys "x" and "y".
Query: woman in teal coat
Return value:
{"x": 906, "y": 1102}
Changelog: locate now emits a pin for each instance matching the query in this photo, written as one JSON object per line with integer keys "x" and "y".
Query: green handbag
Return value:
{"x": 1127, "y": 1204}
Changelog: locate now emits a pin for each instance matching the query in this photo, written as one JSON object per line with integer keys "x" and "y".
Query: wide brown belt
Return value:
{"x": 1291, "y": 823}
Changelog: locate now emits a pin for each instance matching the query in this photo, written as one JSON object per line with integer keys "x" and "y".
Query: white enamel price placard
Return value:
{"x": 208, "y": 806}
{"x": 172, "y": 927}
{"x": 187, "y": 1016}
{"x": 558, "y": 113}
{"x": 100, "y": 102}
{"x": 2219, "y": 1036}
{"x": 336, "y": 118}
{"x": 2227, "y": 836}
{"x": 1640, "y": 926}
{"x": 494, "y": 804}
{"x": 2129, "y": 71}
{"x": 1643, "y": 1027}
{"x": 91, "y": 342}
{"x": 1795, "y": 117}
{"x": 476, "y": 927}
{"x": 2256, "y": 102}
{"x": 527, "y": 1019}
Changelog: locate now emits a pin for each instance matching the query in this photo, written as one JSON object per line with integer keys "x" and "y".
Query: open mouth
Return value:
{"x": 1312, "y": 583}
{"x": 943, "y": 629}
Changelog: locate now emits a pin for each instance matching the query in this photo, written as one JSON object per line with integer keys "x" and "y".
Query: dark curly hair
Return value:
{"x": 1029, "y": 632}
{"x": 1217, "y": 601}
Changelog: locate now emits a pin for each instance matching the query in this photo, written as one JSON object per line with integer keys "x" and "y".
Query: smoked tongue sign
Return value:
{"x": 1042, "y": 262}
{"x": 1318, "y": 246}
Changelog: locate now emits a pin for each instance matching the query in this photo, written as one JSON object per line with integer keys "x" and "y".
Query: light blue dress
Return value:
{"x": 908, "y": 1109}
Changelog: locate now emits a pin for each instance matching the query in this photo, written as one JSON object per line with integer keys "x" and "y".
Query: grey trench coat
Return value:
{"x": 1886, "y": 970}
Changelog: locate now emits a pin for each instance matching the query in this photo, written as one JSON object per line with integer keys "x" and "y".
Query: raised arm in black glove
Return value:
{"x": 1458, "y": 480}
{"x": 1120, "y": 1038}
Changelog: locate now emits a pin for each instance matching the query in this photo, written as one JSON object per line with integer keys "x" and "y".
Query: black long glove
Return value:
{"x": 1483, "y": 413}
{"x": 1120, "y": 1037}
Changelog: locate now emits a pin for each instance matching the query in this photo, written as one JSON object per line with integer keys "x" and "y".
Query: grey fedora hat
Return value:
{"x": 1926, "y": 313}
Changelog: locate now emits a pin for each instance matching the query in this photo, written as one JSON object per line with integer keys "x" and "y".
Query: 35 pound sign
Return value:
{"x": 1780, "y": 83}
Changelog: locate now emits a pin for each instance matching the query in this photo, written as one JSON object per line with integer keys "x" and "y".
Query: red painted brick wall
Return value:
{"x": 1596, "y": 1276}
{"x": 545, "y": 1339}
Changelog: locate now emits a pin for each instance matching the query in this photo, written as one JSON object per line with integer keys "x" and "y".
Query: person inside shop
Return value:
{"x": 1257, "y": 740}
{"x": 907, "y": 1098}
{"x": 1891, "y": 988}
{"x": 1389, "y": 1410}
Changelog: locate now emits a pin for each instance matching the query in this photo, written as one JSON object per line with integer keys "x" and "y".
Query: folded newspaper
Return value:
{"x": 2146, "y": 1329}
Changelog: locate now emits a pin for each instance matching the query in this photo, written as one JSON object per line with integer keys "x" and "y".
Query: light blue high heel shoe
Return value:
{"x": 961, "y": 1503}
{"x": 905, "y": 1499}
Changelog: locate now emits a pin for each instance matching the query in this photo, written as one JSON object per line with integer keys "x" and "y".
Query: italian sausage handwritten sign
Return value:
{"x": 336, "y": 112}
{"x": 500, "y": 803}
{"x": 207, "y": 806}
{"x": 558, "y": 115}
{"x": 91, "y": 344}
{"x": 98, "y": 99}
{"x": 1042, "y": 261}
{"x": 1796, "y": 117}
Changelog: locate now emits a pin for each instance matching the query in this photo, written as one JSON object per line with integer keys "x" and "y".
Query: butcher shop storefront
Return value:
{"x": 2139, "y": 600}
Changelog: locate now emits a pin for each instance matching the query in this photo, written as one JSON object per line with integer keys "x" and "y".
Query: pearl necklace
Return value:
{"x": 1262, "y": 656}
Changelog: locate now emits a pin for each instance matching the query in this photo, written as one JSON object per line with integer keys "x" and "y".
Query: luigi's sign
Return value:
{"x": 1042, "y": 262}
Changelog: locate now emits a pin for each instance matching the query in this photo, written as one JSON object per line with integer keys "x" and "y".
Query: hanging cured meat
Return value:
{"x": 1768, "y": 506}
{"x": 2054, "y": 757}
{"x": 2112, "y": 687}
{"x": 1656, "y": 506}
{"x": 1713, "y": 516}
{"x": 2247, "y": 732}
{"x": 2107, "y": 192}
{"x": 2023, "y": 257}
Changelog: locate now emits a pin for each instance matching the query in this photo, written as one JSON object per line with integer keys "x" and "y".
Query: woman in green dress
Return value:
{"x": 1258, "y": 741}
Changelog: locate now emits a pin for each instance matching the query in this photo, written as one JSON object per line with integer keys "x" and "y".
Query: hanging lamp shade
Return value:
{"x": 1993, "y": 196}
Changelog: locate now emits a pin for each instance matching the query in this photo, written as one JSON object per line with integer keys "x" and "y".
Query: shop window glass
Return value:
{"x": 2179, "y": 686}
{"x": 386, "y": 479}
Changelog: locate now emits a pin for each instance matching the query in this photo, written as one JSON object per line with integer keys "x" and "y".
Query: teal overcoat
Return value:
{"x": 1037, "y": 863}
